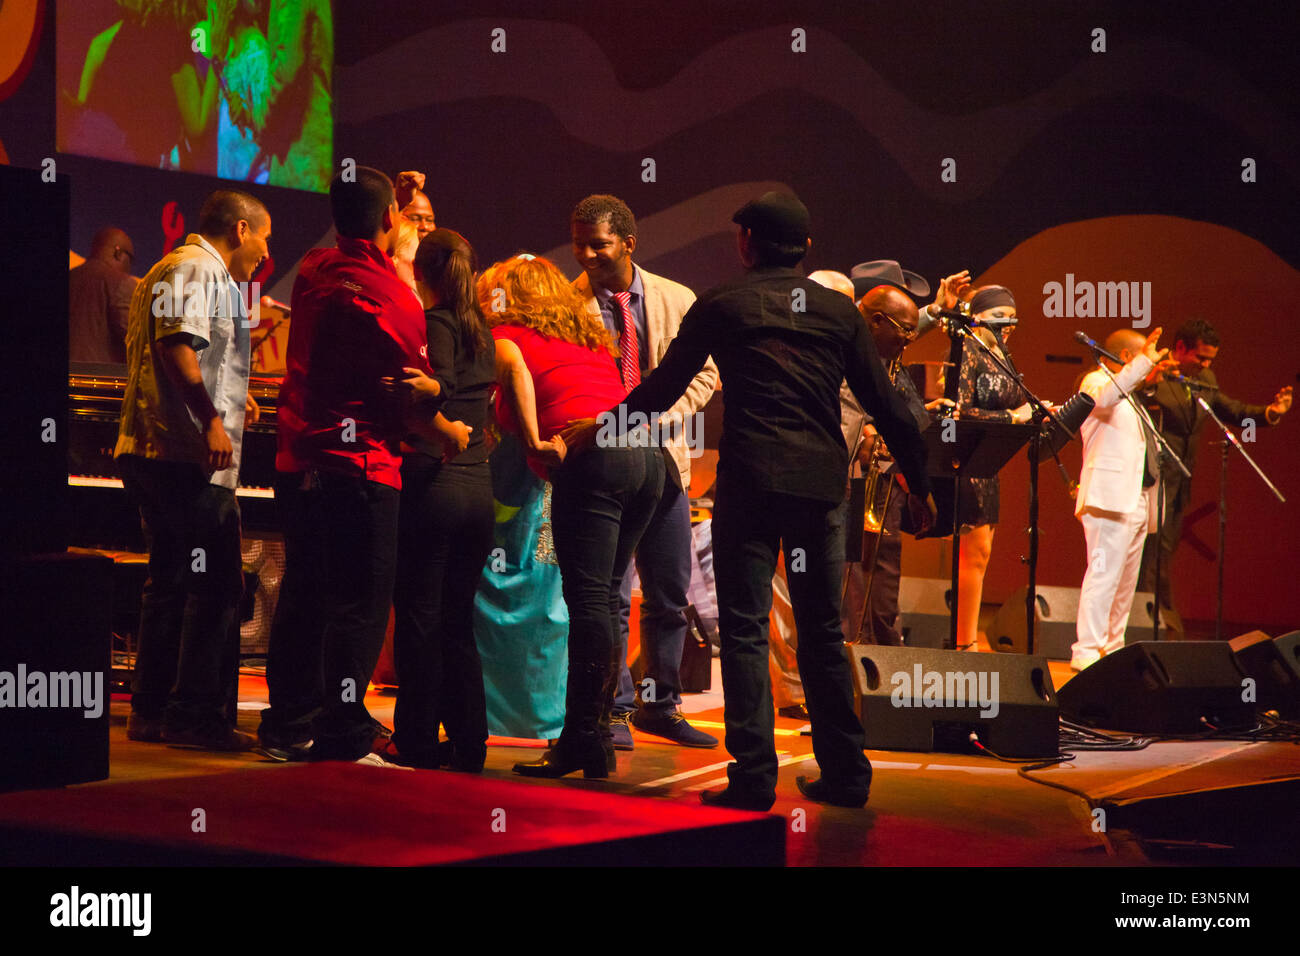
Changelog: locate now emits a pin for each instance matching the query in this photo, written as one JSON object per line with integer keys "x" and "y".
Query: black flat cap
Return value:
{"x": 779, "y": 217}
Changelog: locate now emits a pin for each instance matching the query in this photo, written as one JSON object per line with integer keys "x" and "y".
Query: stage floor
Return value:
{"x": 1171, "y": 803}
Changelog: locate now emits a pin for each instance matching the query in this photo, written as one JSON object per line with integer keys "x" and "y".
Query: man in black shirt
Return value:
{"x": 782, "y": 345}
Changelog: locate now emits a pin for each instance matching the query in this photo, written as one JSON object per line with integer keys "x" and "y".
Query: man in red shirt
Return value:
{"x": 355, "y": 324}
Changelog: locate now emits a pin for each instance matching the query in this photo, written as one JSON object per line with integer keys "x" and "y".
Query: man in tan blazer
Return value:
{"x": 1116, "y": 500}
{"x": 643, "y": 311}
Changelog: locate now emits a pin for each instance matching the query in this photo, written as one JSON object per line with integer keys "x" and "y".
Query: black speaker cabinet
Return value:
{"x": 1163, "y": 687}
{"x": 1275, "y": 668}
{"x": 1055, "y": 614}
{"x": 1056, "y": 622}
{"x": 34, "y": 386}
{"x": 921, "y": 699}
{"x": 926, "y": 606}
{"x": 55, "y": 657}
{"x": 1141, "y": 621}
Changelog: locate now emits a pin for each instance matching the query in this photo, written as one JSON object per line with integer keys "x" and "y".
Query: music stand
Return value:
{"x": 973, "y": 449}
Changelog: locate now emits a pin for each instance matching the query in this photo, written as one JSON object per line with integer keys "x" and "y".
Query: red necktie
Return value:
{"x": 629, "y": 353}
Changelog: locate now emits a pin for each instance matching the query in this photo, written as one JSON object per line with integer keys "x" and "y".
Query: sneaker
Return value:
{"x": 284, "y": 752}
{"x": 226, "y": 739}
{"x": 673, "y": 727}
{"x": 374, "y": 760}
{"x": 622, "y": 731}
{"x": 139, "y": 727}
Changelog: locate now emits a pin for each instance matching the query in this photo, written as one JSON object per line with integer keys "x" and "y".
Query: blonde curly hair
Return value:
{"x": 530, "y": 291}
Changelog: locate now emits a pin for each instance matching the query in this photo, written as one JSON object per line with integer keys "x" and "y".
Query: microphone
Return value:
{"x": 1096, "y": 347}
{"x": 1191, "y": 382}
{"x": 268, "y": 303}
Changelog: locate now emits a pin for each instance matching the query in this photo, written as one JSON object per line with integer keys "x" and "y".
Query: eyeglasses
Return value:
{"x": 417, "y": 218}
{"x": 903, "y": 330}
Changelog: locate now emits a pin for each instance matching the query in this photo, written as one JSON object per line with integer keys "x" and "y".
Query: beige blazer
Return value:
{"x": 665, "y": 304}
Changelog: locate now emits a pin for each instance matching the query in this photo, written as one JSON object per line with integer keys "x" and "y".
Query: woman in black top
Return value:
{"x": 985, "y": 392}
{"x": 446, "y": 528}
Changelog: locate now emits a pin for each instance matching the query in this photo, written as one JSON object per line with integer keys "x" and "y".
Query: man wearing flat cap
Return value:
{"x": 782, "y": 344}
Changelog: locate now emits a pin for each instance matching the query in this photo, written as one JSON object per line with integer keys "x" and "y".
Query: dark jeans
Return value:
{"x": 663, "y": 563}
{"x": 748, "y": 528}
{"x": 445, "y": 535}
{"x": 602, "y": 501}
{"x": 881, "y": 618}
{"x": 340, "y": 550}
{"x": 189, "y": 638}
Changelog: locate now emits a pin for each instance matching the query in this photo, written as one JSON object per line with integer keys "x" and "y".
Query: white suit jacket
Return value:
{"x": 1114, "y": 447}
{"x": 666, "y": 302}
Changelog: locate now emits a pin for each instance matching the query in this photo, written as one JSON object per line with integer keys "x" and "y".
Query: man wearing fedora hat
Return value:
{"x": 782, "y": 345}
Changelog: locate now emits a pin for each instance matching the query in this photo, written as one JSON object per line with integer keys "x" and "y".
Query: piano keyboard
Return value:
{"x": 89, "y": 481}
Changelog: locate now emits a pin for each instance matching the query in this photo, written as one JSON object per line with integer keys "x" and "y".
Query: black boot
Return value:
{"x": 561, "y": 761}
{"x": 580, "y": 746}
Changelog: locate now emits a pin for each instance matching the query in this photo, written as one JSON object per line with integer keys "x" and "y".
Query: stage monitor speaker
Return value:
{"x": 1054, "y": 621}
{"x": 1141, "y": 623}
{"x": 926, "y": 606}
{"x": 921, "y": 699}
{"x": 1275, "y": 668}
{"x": 1165, "y": 687}
{"x": 34, "y": 386}
{"x": 56, "y": 611}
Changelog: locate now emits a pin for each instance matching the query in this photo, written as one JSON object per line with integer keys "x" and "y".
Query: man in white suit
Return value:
{"x": 1116, "y": 501}
{"x": 644, "y": 311}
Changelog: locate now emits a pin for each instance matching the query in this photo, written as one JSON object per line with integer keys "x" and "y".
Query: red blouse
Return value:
{"x": 570, "y": 381}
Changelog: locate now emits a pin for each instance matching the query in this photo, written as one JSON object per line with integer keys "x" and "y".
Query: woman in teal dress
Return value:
{"x": 521, "y": 622}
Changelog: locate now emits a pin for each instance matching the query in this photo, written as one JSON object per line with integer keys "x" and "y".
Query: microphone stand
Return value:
{"x": 1229, "y": 439}
{"x": 1041, "y": 412}
{"x": 1164, "y": 452}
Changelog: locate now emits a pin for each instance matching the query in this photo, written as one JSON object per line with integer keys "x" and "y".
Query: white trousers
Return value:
{"x": 1114, "y": 544}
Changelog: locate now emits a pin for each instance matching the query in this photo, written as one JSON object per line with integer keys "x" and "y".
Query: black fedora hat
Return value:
{"x": 867, "y": 275}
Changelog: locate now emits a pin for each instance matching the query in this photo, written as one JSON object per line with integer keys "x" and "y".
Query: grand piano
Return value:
{"x": 101, "y": 515}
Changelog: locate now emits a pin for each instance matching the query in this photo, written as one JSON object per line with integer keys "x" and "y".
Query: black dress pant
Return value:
{"x": 445, "y": 536}
{"x": 188, "y": 660}
{"x": 1178, "y": 493}
{"x": 340, "y": 548}
{"x": 748, "y": 528}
